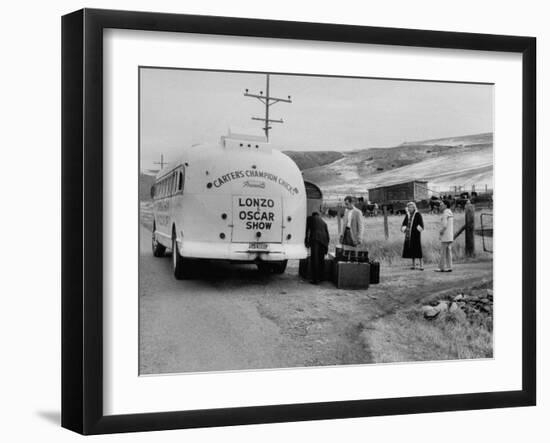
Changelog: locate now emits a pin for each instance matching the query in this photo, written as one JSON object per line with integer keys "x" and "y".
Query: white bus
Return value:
{"x": 238, "y": 200}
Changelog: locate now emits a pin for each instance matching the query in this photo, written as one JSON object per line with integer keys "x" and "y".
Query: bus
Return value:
{"x": 237, "y": 200}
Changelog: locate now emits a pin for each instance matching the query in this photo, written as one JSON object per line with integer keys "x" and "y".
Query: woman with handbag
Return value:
{"x": 412, "y": 227}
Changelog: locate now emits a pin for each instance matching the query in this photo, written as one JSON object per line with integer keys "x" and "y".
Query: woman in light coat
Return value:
{"x": 446, "y": 236}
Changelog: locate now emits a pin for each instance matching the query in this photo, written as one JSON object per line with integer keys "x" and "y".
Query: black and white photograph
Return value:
{"x": 272, "y": 222}
{"x": 299, "y": 220}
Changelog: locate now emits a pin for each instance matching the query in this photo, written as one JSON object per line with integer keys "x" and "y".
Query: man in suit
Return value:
{"x": 317, "y": 239}
{"x": 351, "y": 236}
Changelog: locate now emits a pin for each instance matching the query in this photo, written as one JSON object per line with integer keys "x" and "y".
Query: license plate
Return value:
{"x": 257, "y": 246}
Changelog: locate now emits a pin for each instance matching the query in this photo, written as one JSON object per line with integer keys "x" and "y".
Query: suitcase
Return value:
{"x": 351, "y": 275}
{"x": 351, "y": 255}
{"x": 374, "y": 272}
{"x": 304, "y": 268}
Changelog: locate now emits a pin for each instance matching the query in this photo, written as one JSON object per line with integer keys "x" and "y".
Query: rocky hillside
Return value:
{"x": 476, "y": 139}
{"x": 444, "y": 162}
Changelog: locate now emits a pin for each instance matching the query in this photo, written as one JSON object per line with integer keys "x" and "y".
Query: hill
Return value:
{"x": 476, "y": 139}
{"x": 312, "y": 159}
{"x": 447, "y": 162}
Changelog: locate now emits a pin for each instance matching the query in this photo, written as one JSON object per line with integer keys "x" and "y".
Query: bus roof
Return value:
{"x": 216, "y": 151}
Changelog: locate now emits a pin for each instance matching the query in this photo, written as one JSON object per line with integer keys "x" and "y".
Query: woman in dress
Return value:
{"x": 412, "y": 227}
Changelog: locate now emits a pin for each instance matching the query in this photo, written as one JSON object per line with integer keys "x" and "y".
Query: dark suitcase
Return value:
{"x": 351, "y": 275}
{"x": 374, "y": 272}
{"x": 304, "y": 268}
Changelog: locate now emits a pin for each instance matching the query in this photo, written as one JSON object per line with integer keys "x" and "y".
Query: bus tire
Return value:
{"x": 263, "y": 267}
{"x": 158, "y": 249}
{"x": 178, "y": 263}
{"x": 279, "y": 267}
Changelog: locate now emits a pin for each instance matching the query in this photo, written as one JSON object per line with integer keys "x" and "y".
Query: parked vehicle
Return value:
{"x": 238, "y": 200}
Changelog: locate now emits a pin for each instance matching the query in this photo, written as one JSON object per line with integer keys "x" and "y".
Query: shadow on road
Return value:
{"x": 216, "y": 270}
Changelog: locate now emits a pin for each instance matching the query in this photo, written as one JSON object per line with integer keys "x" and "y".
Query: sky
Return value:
{"x": 179, "y": 108}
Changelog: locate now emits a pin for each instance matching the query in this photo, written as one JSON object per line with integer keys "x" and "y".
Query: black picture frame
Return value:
{"x": 82, "y": 218}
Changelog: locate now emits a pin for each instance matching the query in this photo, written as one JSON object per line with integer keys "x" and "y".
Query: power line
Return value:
{"x": 267, "y": 101}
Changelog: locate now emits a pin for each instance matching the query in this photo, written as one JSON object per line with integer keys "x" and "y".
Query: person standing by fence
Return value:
{"x": 351, "y": 236}
{"x": 446, "y": 236}
{"x": 412, "y": 227}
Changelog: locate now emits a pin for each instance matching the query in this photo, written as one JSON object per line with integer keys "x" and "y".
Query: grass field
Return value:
{"x": 389, "y": 251}
{"x": 406, "y": 335}
{"x": 146, "y": 214}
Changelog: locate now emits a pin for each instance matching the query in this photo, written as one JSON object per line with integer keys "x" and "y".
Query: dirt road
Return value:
{"x": 230, "y": 317}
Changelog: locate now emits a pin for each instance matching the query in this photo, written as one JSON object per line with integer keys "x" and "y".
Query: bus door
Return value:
{"x": 257, "y": 219}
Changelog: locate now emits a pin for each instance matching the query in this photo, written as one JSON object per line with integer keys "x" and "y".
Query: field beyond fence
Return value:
{"x": 389, "y": 252}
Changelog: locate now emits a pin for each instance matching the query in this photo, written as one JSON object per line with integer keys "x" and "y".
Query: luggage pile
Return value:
{"x": 347, "y": 269}
{"x": 354, "y": 270}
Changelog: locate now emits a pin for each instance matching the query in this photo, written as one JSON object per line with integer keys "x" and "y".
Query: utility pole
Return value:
{"x": 161, "y": 162}
{"x": 267, "y": 100}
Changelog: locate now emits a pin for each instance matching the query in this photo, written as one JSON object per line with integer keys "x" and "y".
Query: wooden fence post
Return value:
{"x": 339, "y": 218}
{"x": 386, "y": 229}
{"x": 469, "y": 220}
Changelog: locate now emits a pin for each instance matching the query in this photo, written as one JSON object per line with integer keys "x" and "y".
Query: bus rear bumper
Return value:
{"x": 242, "y": 251}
